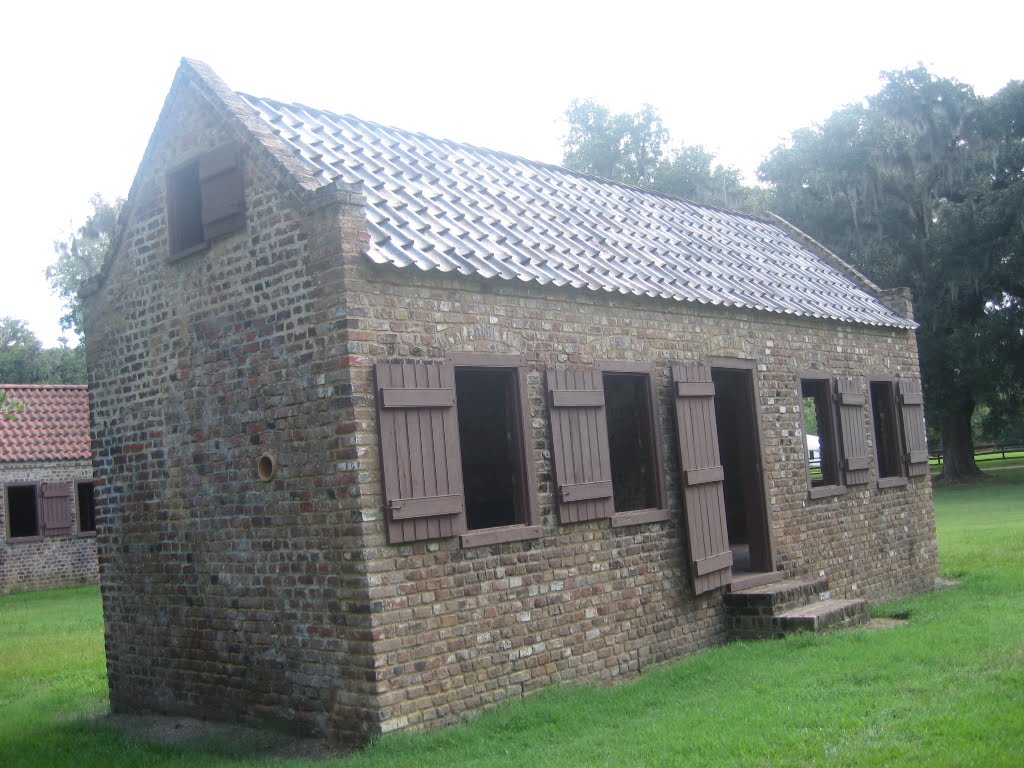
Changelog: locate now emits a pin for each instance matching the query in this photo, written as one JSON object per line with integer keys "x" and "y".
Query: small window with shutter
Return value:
{"x": 604, "y": 436}
{"x": 38, "y": 510}
{"x": 820, "y": 438}
{"x": 22, "y": 507}
{"x": 205, "y": 199}
{"x": 455, "y": 450}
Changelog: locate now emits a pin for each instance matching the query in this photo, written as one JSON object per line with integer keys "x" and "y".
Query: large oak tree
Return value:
{"x": 923, "y": 186}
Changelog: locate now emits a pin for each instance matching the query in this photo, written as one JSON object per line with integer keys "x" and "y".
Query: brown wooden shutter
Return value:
{"x": 579, "y": 439}
{"x": 851, "y": 398}
{"x": 915, "y": 439}
{"x": 419, "y": 445}
{"x": 702, "y": 475}
{"x": 56, "y": 508}
{"x": 222, "y": 192}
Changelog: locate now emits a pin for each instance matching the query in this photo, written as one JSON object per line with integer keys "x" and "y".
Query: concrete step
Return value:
{"x": 823, "y": 616}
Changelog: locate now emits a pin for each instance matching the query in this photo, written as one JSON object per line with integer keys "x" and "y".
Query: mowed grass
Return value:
{"x": 945, "y": 689}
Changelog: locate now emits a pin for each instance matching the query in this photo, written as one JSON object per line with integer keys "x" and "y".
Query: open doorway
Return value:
{"x": 739, "y": 442}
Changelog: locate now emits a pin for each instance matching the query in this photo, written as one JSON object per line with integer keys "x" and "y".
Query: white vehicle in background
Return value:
{"x": 813, "y": 451}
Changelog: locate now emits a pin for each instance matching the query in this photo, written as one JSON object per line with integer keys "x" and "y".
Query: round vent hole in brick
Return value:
{"x": 266, "y": 467}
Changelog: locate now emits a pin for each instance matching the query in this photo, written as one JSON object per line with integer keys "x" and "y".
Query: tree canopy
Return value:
{"x": 923, "y": 186}
{"x": 634, "y": 149}
{"x": 24, "y": 361}
{"x": 80, "y": 256}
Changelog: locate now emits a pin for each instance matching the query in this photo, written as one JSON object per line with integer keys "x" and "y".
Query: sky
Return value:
{"x": 83, "y": 83}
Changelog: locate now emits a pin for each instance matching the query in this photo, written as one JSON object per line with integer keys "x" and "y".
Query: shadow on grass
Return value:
{"x": 112, "y": 741}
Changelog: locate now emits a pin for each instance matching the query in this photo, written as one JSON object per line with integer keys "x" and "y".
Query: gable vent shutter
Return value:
{"x": 56, "y": 504}
{"x": 703, "y": 477}
{"x": 851, "y": 398}
{"x": 420, "y": 457}
{"x": 221, "y": 191}
{"x": 579, "y": 439}
{"x": 914, "y": 435}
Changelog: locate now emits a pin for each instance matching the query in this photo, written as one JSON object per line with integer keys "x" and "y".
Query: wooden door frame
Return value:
{"x": 750, "y": 366}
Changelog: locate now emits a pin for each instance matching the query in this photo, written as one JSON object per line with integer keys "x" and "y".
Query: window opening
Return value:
{"x": 205, "y": 199}
{"x": 22, "y": 511}
{"x": 492, "y": 470}
{"x": 887, "y": 439}
{"x": 86, "y": 508}
{"x": 630, "y": 443}
{"x": 819, "y": 433}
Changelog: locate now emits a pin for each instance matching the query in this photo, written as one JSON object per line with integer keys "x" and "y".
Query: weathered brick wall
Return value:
{"x": 457, "y": 629}
{"x": 225, "y": 595}
{"x": 53, "y": 561}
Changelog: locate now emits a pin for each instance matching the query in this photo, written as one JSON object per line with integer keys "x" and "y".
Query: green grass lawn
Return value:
{"x": 946, "y": 689}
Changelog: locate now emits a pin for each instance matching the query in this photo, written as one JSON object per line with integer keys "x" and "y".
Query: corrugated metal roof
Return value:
{"x": 439, "y": 205}
{"x": 54, "y": 424}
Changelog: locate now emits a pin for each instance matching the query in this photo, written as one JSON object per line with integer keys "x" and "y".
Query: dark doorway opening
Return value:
{"x": 491, "y": 467}
{"x": 739, "y": 444}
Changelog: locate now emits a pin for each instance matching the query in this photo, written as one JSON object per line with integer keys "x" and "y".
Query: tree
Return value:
{"x": 19, "y": 353}
{"x": 922, "y": 186}
{"x": 63, "y": 365}
{"x": 81, "y": 256}
{"x": 634, "y": 149}
{"x": 24, "y": 361}
{"x": 626, "y": 148}
{"x": 691, "y": 172}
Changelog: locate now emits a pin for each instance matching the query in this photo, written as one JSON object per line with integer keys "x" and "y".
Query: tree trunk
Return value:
{"x": 958, "y": 465}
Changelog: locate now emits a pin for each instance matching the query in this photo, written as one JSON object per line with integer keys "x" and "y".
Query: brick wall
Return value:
{"x": 233, "y": 597}
{"x": 458, "y": 629}
{"x": 226, "y": 595}
{"x": 51, "y": 561}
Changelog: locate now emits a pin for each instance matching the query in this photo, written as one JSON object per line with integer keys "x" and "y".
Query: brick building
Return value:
{"x": 47, "y": 514}
{"x": 393, "y": 429}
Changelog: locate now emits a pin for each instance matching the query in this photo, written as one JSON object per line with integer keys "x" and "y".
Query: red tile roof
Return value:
{"x": 54, "y": 424}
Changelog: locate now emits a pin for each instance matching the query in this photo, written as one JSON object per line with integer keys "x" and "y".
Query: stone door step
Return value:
{"x": 778, "y": 596}
{"x": 824, "y": 616}
{"x": 789, "y": 605}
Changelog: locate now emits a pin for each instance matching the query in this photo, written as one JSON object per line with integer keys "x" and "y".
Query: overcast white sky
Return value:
{"x": 83, "y": 83}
